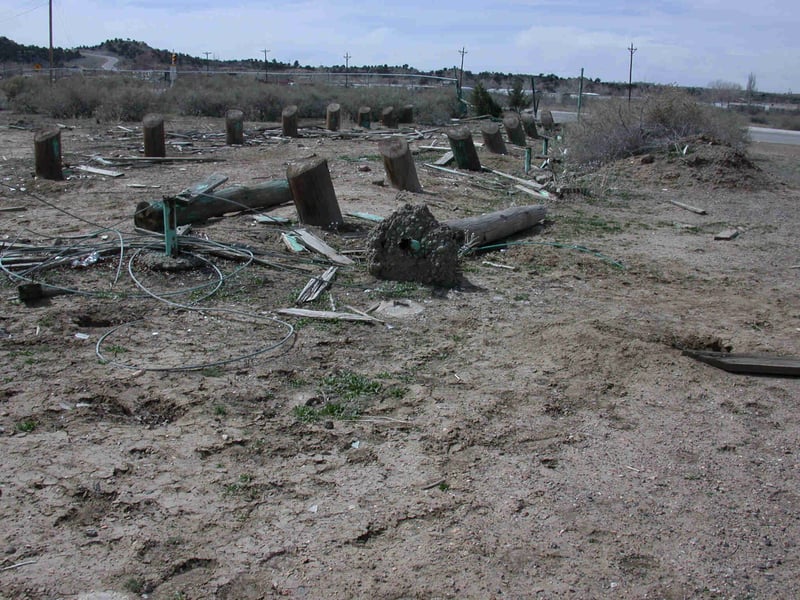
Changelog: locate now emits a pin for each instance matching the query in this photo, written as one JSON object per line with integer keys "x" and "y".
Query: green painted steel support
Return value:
{"x": 545, "y": 143}
{"x": 170, "y": 227}
{"x": 528, "y": 154}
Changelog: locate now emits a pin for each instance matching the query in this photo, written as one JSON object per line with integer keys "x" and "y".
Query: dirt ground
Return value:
{"x": 535, "y": 432}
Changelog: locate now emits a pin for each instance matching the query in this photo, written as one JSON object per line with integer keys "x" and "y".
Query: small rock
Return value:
{"x": 647, "y": 159}
{"x": 11, "y": 550}
{"x": 328, "y": 424}
{"x": 91, "y": 532}
{"x": 364, "y": 168}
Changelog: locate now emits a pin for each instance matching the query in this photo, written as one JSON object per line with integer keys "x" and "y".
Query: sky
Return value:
{"x": 683, "y": 42}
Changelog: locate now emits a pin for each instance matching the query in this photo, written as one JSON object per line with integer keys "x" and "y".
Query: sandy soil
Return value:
{"x": 534, "y": 433}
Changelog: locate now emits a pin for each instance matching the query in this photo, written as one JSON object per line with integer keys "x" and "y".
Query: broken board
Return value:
{"x": 752, "y": 364}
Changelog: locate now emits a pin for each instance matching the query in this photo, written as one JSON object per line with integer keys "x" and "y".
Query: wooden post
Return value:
{"x": 313, "y": 193}
{"x": 47, "y": 146}
{"x": 365, "y": 117}
{"x": 234, "y": 127}
{"x": 399, "y": 164}
{"x": 334, "y": 117}
{"x": 153, "y": 126}
{"x": 406, "y": 114}
{"x": 149, "y": 215}
{"x": 388, "y": 118}
{"x": 529, "y": 125}
{"x": 492, "y": 138}
{"x": 289, "y": 121}
{"x": 463, "y": 148}
{"x": 516, "y": 135}
{"x": 494, "y": 226}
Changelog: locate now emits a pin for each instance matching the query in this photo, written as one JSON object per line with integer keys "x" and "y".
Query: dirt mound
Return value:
{"x": 692, "y": 162}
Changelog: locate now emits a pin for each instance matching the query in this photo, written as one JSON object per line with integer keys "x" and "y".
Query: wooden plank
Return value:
{"x": 160, "y": 159}
{"x": 316, "y": 286}
{"x": 532, "y": 192}
{"x": 312, "y": 242}
{"x": 446, "y": 158}
{"x": 727, "y": 234}
{"x": 291, "y": 243}
{"x": 528, "y": 182}
{"x": 753, "y": 364}
{"x": 365, "y": 216}
{"x": 694, "y": 209}
{"x": 96, "y": 171}
{"x": 444, "y": 170}
{"x": 326, "y": 314}
{"x": 271, "y": 219}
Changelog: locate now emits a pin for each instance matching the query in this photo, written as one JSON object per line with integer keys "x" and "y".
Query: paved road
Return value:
{"x": 774, "y": 136}
{"x": 109, "y": 65}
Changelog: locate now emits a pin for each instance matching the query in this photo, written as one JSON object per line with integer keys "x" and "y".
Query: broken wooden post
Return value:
{"x": 234, "y": 127}
{"x": 289, "y": 121}
{"x": 492, "y": 138}
{"x": 150, "y": 215}
{"x": 365, "y": 117}
{"x": 399, "y": 164}
{"x": 388, "y": 117}
{"x": 406, "y": 114}
{"x": 333, "y": 117}
{"x": 47, "y": 147}
{"x": 516, "y": 135}
{"x": 153, "y": 127}
{"x": 529, "y": 125}
{"x": 313, "y": 193}
{"x": 463, "y": 148}
{"x": 494, "y": 226}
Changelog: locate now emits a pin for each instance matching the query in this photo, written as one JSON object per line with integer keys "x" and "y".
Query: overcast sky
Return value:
{"x": 687, "y": 42}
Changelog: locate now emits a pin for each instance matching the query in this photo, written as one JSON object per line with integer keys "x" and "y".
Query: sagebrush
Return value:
{"x": 614, "y": 129}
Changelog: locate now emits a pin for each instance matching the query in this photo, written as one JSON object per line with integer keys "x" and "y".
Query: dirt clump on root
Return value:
{"x": 411, "y": 245}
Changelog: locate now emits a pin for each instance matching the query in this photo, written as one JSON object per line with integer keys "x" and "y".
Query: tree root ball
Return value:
{"x": 411, "y": 245}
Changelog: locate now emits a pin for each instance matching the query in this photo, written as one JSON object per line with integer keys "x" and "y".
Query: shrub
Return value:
{"x": 517, "y": 99}
{"x": 483, "y": 103}
{"x": 615, "y": 129}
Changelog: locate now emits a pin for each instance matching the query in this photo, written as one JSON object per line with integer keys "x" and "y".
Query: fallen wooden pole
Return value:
{"x": 488, "y": 228}
{"x": 150, "y": 215}
{"x": 694, "y": 209}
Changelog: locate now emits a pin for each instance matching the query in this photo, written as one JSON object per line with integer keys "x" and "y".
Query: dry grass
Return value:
{"x": 613, "y": 129}
{"x": 117, "y": 98}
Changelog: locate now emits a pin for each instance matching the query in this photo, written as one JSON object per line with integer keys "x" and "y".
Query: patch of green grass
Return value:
{"x": 395, "y": 289}
{"x": 521, "y": 297}
{"x": 581, "y": 224}
{"x": 444, "y": 486}
{"x": 329, "y": 410}
{"x": 116, "y": 350}
{"x": 27, "y": 426}
{"x": 348, "y": 385}
{"x": 18, "y": 353}
{"x": 220, "y": 410}
{"x": 397, "y": 392}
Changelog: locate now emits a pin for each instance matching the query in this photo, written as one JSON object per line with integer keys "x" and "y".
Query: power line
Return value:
{"x": 24, "y": 12}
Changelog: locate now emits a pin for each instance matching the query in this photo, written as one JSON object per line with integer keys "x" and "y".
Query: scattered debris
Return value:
{"x": 291, "y": 242}
{"x": 312, "y": 242}
{"x": 316, "y": 286}
{"x": 727, "y": 234}
{"x": 327, "y": 314}
{"x": 96, "y": 171}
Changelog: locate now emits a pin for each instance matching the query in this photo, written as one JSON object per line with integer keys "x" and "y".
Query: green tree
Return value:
{"x": 483, "y": 102}
{"x": 517, "y": 99}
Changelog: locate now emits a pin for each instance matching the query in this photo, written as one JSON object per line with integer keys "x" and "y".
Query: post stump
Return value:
{"x": 313, "y": 193}
{"x": 47, "y": 147}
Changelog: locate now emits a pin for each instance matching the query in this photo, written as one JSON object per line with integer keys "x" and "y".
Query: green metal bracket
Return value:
{"x": 528, "y": 156}
{"x": 545, "y": 143}
{"x": 170, "y": 204}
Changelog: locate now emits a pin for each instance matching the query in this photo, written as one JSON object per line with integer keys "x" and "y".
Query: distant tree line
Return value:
{"x": 12, "y": 52}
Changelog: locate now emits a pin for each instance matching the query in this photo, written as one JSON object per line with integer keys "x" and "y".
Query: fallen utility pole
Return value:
{"x": 494, "y": 226}
{"x": 150, "y": 215}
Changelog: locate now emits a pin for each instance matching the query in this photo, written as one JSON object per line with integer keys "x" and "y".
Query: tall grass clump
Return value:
{"x": 614, "y": 129}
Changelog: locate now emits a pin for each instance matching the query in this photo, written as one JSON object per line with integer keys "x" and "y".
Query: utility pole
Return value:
{"x": 630, "y": 73}
{"x": 580, "y": 95}
{"x": 462, "y": 52}
{"x": 51, "y": 42}
{"x": 206, "y": 53}
{"x": 266, "y": 66}
{"x": 347, "y": 58}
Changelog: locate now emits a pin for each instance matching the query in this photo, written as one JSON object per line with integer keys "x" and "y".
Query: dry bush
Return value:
{"x": 613, "y": 129}
{"x": 124, "y": 99}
